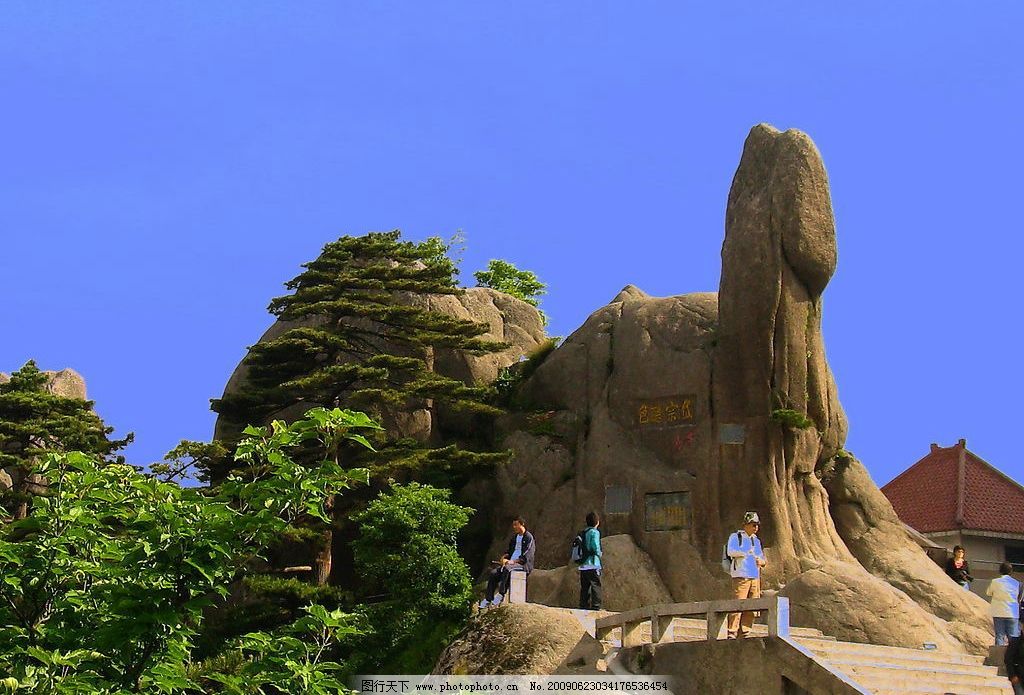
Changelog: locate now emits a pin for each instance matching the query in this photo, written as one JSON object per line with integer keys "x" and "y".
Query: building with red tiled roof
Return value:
{"x": 954, "y": 497}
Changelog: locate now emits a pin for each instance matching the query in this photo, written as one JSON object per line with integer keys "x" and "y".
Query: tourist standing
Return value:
{"x": 957, "y": 568}
{"x": 747, "y": 556}
{"x": 590, "y": 565}
{"x": 1004, "y": 608}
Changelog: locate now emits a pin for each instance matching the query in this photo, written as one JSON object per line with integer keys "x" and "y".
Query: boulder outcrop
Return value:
{"x": 631, "y": 580}
{"x": 67, "y": 383}
{"x": 520, "y": 639}
{"x": 511, "y": 321}
{"x": 673, "y": 415}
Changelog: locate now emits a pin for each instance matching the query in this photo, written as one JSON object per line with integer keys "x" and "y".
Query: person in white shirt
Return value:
{"x": 747, "y": 555}
{"x": 1005, "y": 605}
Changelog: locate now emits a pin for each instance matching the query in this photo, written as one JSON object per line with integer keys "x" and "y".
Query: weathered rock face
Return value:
{"x": 664, "y": 415}
{"x": 511, "y": 321}
{"x": 67, "y": 383}
{"x": 520, "y": 639}
{"x": 631, "y": 580}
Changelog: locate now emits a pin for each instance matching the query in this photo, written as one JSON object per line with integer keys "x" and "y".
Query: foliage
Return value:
{"x": 505, "y": 277}
{"x": 407, "y": 548}
{"x": 35, "y": 422}
{"x": 104, "y": 585}
{"x": 358, "y": 336}
{"x": 263, "y": 602}
{"x": 190, "y": 459}
{"x": 542, "y": 423}
{"x": 298, "y": 659}
{"x": 510, "y": 378}
{"x": 793, "y": 419}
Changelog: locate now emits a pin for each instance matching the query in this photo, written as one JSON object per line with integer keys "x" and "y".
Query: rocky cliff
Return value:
{"x": 673, "y": 415}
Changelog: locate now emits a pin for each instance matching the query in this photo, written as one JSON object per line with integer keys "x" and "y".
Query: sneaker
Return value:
{"x": 482, "y": 604}
{"x": 497, "y": 600}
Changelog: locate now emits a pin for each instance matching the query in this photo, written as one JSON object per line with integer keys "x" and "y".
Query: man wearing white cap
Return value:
{"x": 747, "y": 557}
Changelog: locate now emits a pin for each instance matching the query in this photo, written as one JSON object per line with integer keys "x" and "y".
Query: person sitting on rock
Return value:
{"x": 1004, "y": 608}
{"x": 748, "y": 558}
{"x": 519, "y": 558}
{"x": 958, "y": 569}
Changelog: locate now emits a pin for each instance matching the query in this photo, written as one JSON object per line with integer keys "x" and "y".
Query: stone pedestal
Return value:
{"x": 517, "y": 587}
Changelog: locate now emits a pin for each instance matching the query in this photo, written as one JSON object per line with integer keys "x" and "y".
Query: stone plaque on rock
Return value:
{"x": 667, "y": 511}
{"x": 732, "y": 434}
{"x": 618, "y": 499}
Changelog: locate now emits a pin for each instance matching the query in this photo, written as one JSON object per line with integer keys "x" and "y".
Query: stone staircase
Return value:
{"x": 876, "y": 669}
{"x": 897, "y": 670}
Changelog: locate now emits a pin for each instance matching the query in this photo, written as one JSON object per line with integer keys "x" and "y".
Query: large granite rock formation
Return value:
{"x": 673, "y": 415}
{"x": 511, "y": 321}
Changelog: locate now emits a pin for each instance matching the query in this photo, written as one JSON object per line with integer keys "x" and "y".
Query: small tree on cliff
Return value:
{"x": 505, "y": 277}
{"x": 35, "y": 422}
{"x": 361, "y": 334}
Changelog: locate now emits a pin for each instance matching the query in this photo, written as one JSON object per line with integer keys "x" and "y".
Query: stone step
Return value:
{"x": 940, "y": 690}
{"x": 886, "y": 686}
{"x": 833, "y": 647}
{"x": 892, "y": 677}
{"x": 927, "y": 670}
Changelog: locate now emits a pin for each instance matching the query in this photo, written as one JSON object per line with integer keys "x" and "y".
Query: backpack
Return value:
{"x": 576, "y": 548}
{"x": 726, "y": 560}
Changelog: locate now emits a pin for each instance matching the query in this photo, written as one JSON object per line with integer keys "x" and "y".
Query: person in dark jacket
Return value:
{"x": 518, "y": 558}
{"x": 1015, "y": 664}
{"x": 957, "y": 568}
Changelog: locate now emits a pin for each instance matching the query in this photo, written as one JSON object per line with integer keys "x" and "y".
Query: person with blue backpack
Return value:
{"x": 745, "y": 558}
{"x": 587, "y": 547}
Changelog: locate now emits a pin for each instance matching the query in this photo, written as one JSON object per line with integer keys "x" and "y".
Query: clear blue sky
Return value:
{"x": 167, "y": 166}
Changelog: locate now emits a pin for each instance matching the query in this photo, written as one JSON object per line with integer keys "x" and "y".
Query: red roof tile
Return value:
{"x": 931, "y": 496}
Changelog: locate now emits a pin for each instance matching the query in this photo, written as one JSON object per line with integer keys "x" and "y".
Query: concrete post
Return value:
{"x": 517, "y": 587}
{"x": 778, "y": 617}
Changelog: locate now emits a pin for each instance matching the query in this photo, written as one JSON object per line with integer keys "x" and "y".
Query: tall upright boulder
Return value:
{"x": 673, "y": 415}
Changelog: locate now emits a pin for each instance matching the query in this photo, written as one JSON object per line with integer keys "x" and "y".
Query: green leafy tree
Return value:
{"x": 105, "y": 585}
{"x": 505, "y": 277}
{"x": 407, "y": 550}
{"x": 35, "y": 422}
{"x": 297, "y": 659}
{"x": 361, "y": 333}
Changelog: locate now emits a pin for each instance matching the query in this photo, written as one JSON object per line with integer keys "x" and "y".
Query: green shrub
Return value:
{"x": 510, "y": 378}
{"x": 793, "y": 419}
{"x": 407, "y": 550}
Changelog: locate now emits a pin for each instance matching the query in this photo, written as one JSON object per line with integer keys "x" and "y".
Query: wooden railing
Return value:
{"x": 715, "y": 612}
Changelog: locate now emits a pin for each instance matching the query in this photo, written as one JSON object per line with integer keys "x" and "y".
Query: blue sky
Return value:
{"x": 167, "y": 166}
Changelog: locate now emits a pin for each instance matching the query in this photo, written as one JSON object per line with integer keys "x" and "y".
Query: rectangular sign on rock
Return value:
{"x": 618, "y": 499}
{"x": 732, "y": 434}
{"x": 667, "y": 511}
{"x": 669, "y": 411}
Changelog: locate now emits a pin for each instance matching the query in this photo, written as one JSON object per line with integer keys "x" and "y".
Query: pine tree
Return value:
{"x": 362, "y": 336}
{"x": 35, "y": 422}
